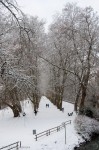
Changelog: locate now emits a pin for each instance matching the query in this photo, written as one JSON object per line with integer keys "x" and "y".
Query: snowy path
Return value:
{"x": 21, "y": 129}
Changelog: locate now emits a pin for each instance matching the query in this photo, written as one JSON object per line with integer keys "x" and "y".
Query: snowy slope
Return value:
{"x": 21, "y": 129}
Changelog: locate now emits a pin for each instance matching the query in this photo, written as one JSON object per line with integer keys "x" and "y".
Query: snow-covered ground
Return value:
{"x": 21, "y": 128}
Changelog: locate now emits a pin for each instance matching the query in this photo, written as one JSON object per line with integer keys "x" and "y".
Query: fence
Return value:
{"x": 15, "y": 145}
{"x": 49, "y": 131}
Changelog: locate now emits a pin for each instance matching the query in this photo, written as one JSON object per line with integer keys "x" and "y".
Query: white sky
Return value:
{"x": 45, "y": 9}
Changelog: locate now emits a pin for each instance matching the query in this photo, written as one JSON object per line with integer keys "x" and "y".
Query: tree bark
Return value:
{"x": 15, "y": 109}
{"x": 77, "y": 98}
{"x": 83, "y": 96}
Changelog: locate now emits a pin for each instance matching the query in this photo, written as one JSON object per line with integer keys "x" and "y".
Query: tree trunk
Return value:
{"x": 76, "y": 103}
{"x": 81, "y": 106}
{"x": 15, "y": 109}
{"x": 77, "y": 98}
{"x": 59, "y": 104}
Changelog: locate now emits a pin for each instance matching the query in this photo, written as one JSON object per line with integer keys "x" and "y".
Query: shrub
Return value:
{"x": 88, "y": 112}
{"x": 86, "y": 126}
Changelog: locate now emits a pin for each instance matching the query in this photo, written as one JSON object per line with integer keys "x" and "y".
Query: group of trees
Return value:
{"x": 21, "y": 41}
{"x": 68, "y": 52}
{"x": 74, "y": 41}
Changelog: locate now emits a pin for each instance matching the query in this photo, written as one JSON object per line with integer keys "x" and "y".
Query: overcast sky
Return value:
{"x": 45, "y": 9}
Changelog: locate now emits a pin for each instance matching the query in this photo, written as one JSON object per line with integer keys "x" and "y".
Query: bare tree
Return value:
{"x": 77, "y": 43}
{"x": 21, "y": 42}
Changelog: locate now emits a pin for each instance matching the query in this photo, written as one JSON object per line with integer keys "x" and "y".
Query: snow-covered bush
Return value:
{"x": 86, "y": 126}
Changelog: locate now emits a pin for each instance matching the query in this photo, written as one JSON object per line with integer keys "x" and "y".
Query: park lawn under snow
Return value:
{"x": 21, "y": 128}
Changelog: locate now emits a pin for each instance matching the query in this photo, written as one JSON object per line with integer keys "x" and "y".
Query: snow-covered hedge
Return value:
{"x": 86, "y": 126}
